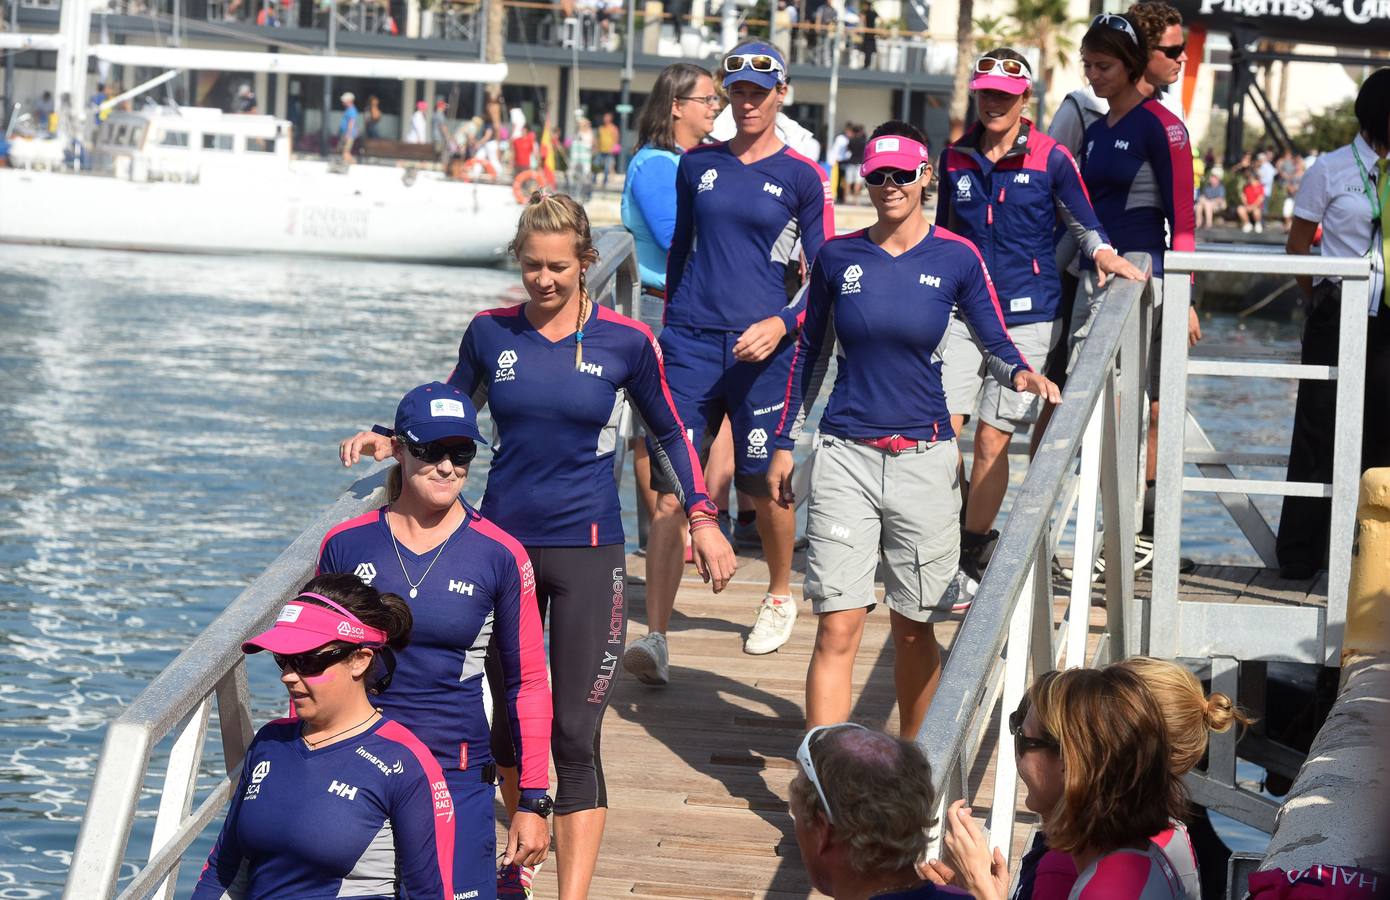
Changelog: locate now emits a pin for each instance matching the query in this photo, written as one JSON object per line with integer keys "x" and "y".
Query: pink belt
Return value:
{"x": 894, "y": 443}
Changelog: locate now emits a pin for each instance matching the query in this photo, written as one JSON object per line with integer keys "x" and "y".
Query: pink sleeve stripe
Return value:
{"x": 791, "y": 381}
{"x": 514, "y": 310}
{"x": 697, "y": 473}
{"x": 989, "y": 283}
{"x": 1071, "y": 161}
{"x": 1180, "y": 155}
{"x": 533, "y": 707}
{"x": 366, "y": 518}
{"x": 827, "y": 219}
{"x": 439, "y": 796}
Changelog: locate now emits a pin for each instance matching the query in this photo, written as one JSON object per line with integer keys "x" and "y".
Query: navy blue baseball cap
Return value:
{"x": 746, "y": 56}
{"x": 435, "y": 411}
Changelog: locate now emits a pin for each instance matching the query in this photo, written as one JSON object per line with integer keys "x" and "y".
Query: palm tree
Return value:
{"x": 993, "y": 31}
{"x": 965, "y": 46}
{"x": 1049, "y": 30}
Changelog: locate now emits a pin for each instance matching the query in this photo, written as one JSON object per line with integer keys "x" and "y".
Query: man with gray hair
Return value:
{"x": 862, "y": 804}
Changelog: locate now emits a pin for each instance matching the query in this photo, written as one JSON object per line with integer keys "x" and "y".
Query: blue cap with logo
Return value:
{"x": 434, "y": 412}
{"x": 758, "y": 62}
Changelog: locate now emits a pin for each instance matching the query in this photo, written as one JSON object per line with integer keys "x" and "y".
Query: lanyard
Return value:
{"x": 1372, "y": 197}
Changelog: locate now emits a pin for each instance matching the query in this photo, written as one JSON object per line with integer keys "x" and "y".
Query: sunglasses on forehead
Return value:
{"x": 758, "y": 62}
{"x": 1118, "y": 23}
{"x": 431, "y": 453}
{"x": 989, "y": 65}
{"x": 901, "y": 177}
{"x": 803, "y": 758}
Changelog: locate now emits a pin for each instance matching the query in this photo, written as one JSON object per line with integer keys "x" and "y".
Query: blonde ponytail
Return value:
{"x": 551, "y": 213}
{"x": 1188, "y": 715}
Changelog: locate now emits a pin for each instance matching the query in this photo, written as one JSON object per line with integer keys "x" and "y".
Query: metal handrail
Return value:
{"x": 179, "y": 700}
{"x": 1099, "y": 420}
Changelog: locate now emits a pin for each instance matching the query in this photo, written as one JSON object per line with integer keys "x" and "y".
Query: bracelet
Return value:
{"x": 703, "y": 522}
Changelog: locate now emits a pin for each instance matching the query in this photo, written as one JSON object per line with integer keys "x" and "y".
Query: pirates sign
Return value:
{"x": 1358, "y": 23}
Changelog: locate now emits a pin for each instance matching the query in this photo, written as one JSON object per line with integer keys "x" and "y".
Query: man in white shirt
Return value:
{"x": 419, "y": 127}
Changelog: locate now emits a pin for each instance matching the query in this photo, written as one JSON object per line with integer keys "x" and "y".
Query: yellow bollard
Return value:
{"x": 1368, "y": 598}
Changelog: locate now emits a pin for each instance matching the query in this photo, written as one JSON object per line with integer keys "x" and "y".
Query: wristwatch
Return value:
{"x": 541, "y": 806}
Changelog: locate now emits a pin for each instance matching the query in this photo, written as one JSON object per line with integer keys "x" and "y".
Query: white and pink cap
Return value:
{"x": 893, "y": 151}
{"x": 302, "y": 627}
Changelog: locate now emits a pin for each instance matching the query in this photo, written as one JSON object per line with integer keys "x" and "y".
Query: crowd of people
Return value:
{"x": 420, "y": 606}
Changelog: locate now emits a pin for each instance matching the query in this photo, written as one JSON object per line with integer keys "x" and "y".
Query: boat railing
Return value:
{"x": 179, "y": 702}
{"x": 1088, "y": 462}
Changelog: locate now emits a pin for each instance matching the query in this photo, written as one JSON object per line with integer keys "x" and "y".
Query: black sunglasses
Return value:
{"x": 901, "y": 177}
{"x": 314, "y": 662}
{"x": 433, "y": 452}
{"x": 1172, "y": 51}
{"x": 1022, "y": 742}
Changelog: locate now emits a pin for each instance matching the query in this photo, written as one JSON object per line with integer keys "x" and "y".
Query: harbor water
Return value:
{"x": 173, "y": 423}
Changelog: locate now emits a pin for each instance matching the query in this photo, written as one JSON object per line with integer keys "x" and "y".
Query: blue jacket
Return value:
{"x": 649, "y": 210}
{"x": 1010, "y": 209}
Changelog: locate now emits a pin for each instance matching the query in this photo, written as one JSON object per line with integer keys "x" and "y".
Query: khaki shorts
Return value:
{"x": 1086, "y": 308}
{"x": 972, "y": 391}
{"x": 868, "y": 506}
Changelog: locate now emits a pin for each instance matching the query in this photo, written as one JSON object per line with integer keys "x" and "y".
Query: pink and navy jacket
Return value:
{"x": 369, "y": 817}
{"x": 1010, "y": 209}
{"x": 1139, "y": 173}
{"x": 556, "y": 426}
{"x": 738, "y": 229}
{"x": 891, "y": 317}
{"x": 480, "y": 588}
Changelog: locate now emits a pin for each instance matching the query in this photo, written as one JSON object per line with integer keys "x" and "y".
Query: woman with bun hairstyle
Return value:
{"x": 338, "y": 760}
{"x": 1189, "y": 718}
{"x": 468, "y": 584}
{"x": 555, "y": 372}
{"x": 883, "y": 486}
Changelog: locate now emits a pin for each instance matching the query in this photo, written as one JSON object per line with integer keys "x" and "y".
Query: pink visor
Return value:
{"x": 893, "y": 152}
{"x": 1009, "y": 84}
{"x": 301, "y": 627}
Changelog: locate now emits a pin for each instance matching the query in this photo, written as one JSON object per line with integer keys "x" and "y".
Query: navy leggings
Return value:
{"x": 584, "y": 590}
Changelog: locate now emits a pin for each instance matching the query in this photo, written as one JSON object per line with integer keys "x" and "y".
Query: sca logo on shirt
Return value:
{"x": 506, "y": 360}
{"x": 757, "y": 444}
{"x": 258, "y": 775}
{"x": 707, "y": 180}
{"x": 366, "y": 572}
{"x": 852, "y": 276}
{"x": 963, "y": 187}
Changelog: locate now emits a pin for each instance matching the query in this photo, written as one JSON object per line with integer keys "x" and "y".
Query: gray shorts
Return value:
{"x": 972, "y": 391}
{"x": 1086, "y": 307}
{"x": 867, "y": 505}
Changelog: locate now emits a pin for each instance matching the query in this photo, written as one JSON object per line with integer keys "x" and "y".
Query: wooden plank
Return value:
{"x": 1214, "y": 584}
{"x": 1266, "y": 586}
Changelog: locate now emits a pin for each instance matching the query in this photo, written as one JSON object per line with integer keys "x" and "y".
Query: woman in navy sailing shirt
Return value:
{"x": 883, "y": 487}
{"x": 742, "y": 207}
{"x": 1004, "y": 185}
{"x": 338, "y": 761}
{"x": 555, "y": 373}
{"x": 468, "y": 583}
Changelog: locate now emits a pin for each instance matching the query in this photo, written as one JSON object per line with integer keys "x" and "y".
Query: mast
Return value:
{"x": 70, "y": 79}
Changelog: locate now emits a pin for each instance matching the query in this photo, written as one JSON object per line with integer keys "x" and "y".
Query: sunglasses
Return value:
{"x": 708, "y": 99}
{"x": 1022, "y": 742}
{"x": 758, "y": 62}
{"x": 803, "y": 757}
{"x": 314, "y": 662}
{"x": 1172, "y": 51}
{"x": 433, "y": 452}
{"x": 1013, "y": 68}
{"x": 901, "y": 177}
{"x": 1118, "y": 23}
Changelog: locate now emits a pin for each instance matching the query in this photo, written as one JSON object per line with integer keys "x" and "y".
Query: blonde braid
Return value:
{"x": 585, "y": 305}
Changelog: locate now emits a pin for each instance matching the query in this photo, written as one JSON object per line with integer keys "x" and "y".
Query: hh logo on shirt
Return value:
{"x": 366, "y": 572}
{"x": 963, "y": 187}
{"x": 757, "y": 444}
{"x": 1122, "y": 145}
{"x": 852, "y": 276}
{"x": 707, "y": 180}
{"x": 930, "y": 280}
{"x": 1021, "y": 178}
{"x": 773, "y": 189}
{"x": 346, "y": 791}
{"x": 591, "y": 369}
{"x": 461, "y": 587}
{"x": 258, "y": 775}
{"x": 506, "y": 361}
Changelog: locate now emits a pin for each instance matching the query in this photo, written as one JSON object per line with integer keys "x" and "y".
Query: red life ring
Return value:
{"x": 478, "y": 162}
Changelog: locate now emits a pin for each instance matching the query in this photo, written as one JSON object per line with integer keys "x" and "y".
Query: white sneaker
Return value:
{"x": 1247, "y": 228}
{"x": 1259, "y": 228}
{"x": 961, "y": 592}
{"x": 649, "y": 659}
{"x": 773, "y": 626}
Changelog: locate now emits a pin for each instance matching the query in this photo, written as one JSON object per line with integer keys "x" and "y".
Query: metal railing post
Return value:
{"x": 1346, "y": 457}
{"x": 1083, "y": 563}
{"x": 1002, "y": 807}
{"x": 1163, "y": 626}
{"x": 176, "y": 798}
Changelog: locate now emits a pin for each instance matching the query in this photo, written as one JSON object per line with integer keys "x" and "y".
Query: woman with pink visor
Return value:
{"x": 884, "y": 487}
{"x": 338, "y": 761}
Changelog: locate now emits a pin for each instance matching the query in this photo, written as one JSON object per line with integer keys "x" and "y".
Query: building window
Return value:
{"x": 221, "y": 142}
{"x": 174, "y": 139}
{"x": 260, "y": 145}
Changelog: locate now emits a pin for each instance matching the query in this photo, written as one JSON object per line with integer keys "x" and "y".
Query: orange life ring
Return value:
{"x": 529, "y": 181}
{"x": 478, "y": 162}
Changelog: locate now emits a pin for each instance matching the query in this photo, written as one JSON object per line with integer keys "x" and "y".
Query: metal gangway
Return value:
{"x": 1085, "y": 481}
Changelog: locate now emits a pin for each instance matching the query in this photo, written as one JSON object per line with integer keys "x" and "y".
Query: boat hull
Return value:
{"x": 384, "y": 214}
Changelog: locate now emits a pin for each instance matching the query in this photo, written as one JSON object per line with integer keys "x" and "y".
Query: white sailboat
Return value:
{"x": 202, "y": 181}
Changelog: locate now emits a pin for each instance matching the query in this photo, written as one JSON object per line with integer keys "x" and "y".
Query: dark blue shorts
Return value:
{"x": 708, "y": 384}
{"x": 475, "y": 836}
